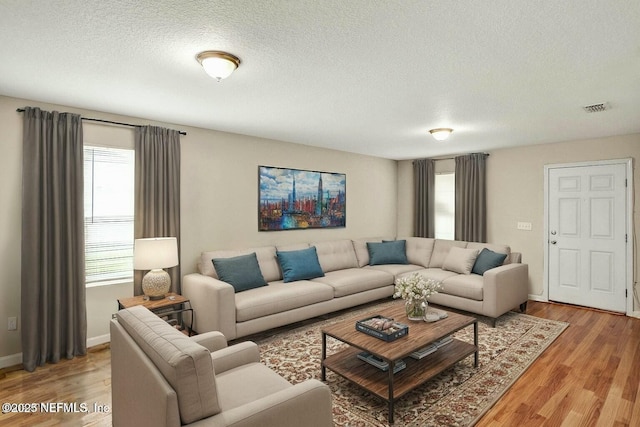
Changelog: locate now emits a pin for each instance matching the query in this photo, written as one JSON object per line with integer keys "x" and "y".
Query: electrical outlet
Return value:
{"x": 12, "y": 324}
{"x": 524, "y": 226}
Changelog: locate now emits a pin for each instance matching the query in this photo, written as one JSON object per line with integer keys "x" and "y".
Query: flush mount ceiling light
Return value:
{"x": 441, "y": 134}
{"x": 218, "y": 64}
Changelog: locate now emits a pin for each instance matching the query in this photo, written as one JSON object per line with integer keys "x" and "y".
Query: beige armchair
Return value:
{"x": 161, "y": 377}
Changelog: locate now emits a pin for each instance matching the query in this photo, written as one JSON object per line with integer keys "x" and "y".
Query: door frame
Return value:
{"x": 629, "y": 231}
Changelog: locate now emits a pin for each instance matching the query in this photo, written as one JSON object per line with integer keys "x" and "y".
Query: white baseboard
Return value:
{"x": 93, "y": 341}
{"x": 538, "y": 298}
{"x": 11, "y": 360}
{"x": 16, "y": 359}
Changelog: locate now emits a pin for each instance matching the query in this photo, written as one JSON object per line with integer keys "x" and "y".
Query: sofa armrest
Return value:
{"x": 213, "y": 302}
{"x": 505, "y": 288}
{"x": 305, "y": 404}
{"x": 213, "y": 340}
{"x": 234, "y": 356}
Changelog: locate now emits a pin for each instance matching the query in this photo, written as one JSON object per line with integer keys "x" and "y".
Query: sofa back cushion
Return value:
{"x": 441, "y": 250}
{"x": 336, "y": 255}
{"x": 186, "y": 365}
{"x": 266, "y": 260}
{"x": 419, "y": 250}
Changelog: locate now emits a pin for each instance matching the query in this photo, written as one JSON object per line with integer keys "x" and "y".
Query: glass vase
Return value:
{"x": 416, "y": 309}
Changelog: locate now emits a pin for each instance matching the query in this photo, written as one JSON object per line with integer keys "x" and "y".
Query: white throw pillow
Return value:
{"x": 460, "y": 260}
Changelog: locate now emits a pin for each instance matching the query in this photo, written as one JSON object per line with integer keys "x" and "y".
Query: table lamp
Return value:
{"x": 154, "y": 254}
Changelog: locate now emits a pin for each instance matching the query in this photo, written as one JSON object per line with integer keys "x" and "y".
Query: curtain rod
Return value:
{"x": 21, "y": 110}
{"x": 453, "y": 158}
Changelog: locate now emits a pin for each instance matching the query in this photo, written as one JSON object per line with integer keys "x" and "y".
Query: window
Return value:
{"x": 108, "y": 214}
{"x": 445, "y": 206}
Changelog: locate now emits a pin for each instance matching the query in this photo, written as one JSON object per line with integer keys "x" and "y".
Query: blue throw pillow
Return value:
{"x": 487, "y": 259}
{"x": 241, "y": 272}
{"x": 299, "y": 265}
{"x": 391, "y": 252}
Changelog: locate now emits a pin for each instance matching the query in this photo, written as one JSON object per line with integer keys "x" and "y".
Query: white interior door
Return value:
{"x": 587, "y": 229}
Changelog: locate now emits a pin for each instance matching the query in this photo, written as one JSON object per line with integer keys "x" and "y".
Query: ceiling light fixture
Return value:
{"x": 441, "y": 134}
{"x": 218, "y": 64}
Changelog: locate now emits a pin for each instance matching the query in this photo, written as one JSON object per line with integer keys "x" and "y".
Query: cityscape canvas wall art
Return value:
{"x": 293, "y": 199}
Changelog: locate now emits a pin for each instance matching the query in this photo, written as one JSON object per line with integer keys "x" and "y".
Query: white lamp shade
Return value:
{"x": 155, "y": 252}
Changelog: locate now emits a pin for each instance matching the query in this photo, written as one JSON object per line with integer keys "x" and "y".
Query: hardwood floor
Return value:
{"x": 590, "y": 376}
{"x": 83, "y": 381}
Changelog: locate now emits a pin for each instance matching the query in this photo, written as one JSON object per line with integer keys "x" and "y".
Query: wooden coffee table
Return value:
{"x": 386, "y": 385}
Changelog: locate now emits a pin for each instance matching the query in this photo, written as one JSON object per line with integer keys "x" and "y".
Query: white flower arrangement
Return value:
{"x": 415, "y": 287}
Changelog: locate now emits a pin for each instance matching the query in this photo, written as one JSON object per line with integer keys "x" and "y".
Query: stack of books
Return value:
{"x": 423, "y": 352}
{"x": 431, "y": 348}
{"x": 381, "y": 364}
{"x": 444, "y": 341}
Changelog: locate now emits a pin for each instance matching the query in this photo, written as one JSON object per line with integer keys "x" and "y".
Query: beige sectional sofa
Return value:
{"x": 161, "y": 377}
{"x": 349, "y": 280}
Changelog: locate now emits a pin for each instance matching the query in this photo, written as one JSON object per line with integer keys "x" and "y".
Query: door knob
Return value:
{"x": 553, "y": 242}
{"x": 553, "y": 233}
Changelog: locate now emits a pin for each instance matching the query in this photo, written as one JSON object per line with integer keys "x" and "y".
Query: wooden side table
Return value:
{"x": 171, "y": 304}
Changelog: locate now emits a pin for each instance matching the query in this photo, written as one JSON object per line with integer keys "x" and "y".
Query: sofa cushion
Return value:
{"x": 460, "y": 260}
{"x": 302, "y": 264}
{"x": 266, "y": 260}
{"x": 264, "y": 382}
{"x": 395, "y": 269}
{"x": 464, "y": 285}
{"x": 241, "y": 272}
{"x": 387, "y": 252}
{"x": 279, "y": 297}
{"x": 432, "y": 273}
{"x": 354, "y": 280}
{"x": 419, "y": 250}
{"x": 487, "y": 259}
{"x": 186, "y": 365}
{"x": 336, "y": 255}
{"x": 441, "y": 250}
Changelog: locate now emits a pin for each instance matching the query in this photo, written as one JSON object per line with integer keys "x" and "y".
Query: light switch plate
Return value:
{"x": 524, "y": 226}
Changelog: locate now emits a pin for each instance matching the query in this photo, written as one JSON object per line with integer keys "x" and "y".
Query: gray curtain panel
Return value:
{"x": 471, "y": 199}
{"x": 157, "y": 191}
{"x": 424, "y": 182}
{"x": 53, "y": 311}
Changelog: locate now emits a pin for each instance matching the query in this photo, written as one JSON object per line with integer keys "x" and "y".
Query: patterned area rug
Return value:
{"x": 457, "y": 397}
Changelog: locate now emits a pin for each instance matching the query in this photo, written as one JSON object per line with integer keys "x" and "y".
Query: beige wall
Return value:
{"x": 219, "y": 192}
{"x": 515, "y": 192}
{"x": 219, "y": 199}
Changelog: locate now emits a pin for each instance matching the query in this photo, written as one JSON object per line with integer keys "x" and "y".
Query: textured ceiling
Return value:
{"x": 364, "y": 76}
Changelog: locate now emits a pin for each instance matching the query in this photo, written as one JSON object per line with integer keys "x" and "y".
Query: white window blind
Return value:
{"x": 445, "y": 206}
{"x": 108, "y": 213}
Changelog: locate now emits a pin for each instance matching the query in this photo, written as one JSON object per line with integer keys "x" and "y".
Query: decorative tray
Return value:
{"x": 382, "y": 327}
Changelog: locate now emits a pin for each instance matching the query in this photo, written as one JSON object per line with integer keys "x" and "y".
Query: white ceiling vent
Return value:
{"x": 596, "y": 108}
